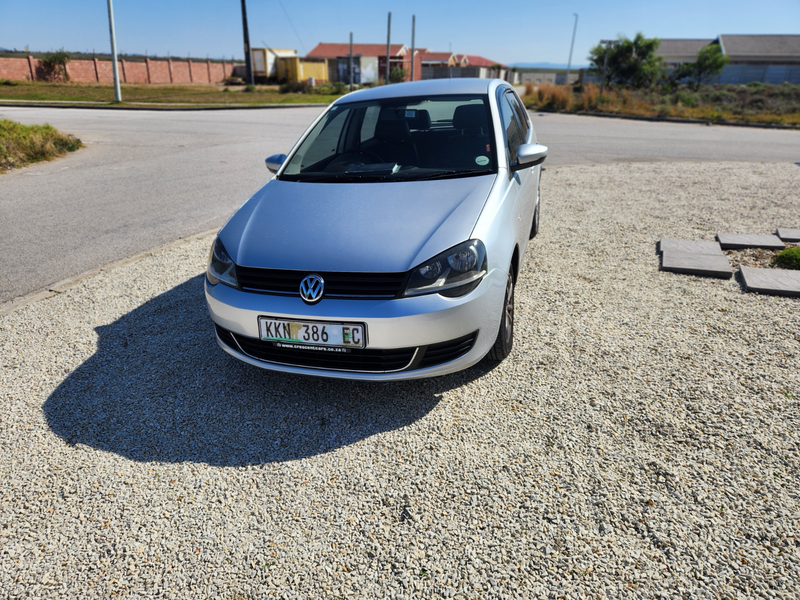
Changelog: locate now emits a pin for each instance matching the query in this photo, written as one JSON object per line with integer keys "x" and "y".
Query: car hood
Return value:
{"x": 357, "y": 227}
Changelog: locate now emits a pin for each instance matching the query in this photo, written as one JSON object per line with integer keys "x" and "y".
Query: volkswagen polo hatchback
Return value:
{"x": 388, "y": 242}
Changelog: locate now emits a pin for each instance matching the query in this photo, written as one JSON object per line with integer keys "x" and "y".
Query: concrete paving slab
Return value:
{"x": 776, "y": 282}
{"x": 789, "y": 235}
{"x": 689, "y": 246}
{"x": 689, "y": 263}
{"x": 738, "y": 241}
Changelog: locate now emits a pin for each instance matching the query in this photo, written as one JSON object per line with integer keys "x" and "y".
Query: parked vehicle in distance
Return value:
{"x": 389, "y": 241}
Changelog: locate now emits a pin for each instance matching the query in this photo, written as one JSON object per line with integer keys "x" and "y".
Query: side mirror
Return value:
{"x": 275, "y": 161}
{"x": 530, "y": 155}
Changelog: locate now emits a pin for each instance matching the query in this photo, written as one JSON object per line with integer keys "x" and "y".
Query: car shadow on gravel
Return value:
{"x": 158, "y": 388}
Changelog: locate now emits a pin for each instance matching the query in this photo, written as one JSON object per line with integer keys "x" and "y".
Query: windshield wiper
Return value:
{"x": 453, "y": 173}
{"x": 336, "y": 178}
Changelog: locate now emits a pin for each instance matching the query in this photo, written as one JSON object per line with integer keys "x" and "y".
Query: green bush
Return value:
{"x": 788, "y": 259}
{"x": 54, "y": 65}
{"x": 297, "y": 87}
{"x": 24, "y": 144}
{"x": 249, "y": 88}
{"x": 686, "y": 99}
{"x": 339, "y": 87}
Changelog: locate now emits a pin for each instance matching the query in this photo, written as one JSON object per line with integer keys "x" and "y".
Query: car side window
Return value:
{"x": 522, "y": 114}
{"x": 369, "y": 123}
{"x": 513, "y": 133}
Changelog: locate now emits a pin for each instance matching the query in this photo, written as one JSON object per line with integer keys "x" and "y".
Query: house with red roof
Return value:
{"x": 368, "y": 54}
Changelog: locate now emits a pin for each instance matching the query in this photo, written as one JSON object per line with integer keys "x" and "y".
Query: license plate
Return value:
{"x": 320, "y": 334}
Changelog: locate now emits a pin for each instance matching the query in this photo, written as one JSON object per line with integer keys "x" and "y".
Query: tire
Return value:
{"x": 505, "y": 336}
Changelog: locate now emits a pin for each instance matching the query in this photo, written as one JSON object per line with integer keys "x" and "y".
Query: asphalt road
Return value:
{"x": 147, "y": 178}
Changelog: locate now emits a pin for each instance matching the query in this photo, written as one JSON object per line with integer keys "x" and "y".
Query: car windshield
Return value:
{"x": 398, "y": 139}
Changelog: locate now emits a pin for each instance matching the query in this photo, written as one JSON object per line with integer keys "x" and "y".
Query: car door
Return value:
{"x": 521, "y": 183}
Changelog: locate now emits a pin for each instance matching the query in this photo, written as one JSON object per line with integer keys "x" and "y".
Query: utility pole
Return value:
{"x": 608, "y": 44}
{"x": 117, "y": 90}
{"x": 571, "y": 46}
{"x": 388, "y": 47}
{"x": 248, "y": 66}
{"x": 413, "y": 27}
{"x": 351, "y": 61}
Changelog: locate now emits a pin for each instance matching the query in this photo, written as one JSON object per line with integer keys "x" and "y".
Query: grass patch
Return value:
{"x": 24, "y": 144}
{"x": 752, "y": 103}
{"x": 102, "y": 93}
{"x": 788, "y": 259}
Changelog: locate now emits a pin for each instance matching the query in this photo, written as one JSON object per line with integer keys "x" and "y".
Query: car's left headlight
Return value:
{"x": 220, "y": 265}
{"x": 454, "y": 272}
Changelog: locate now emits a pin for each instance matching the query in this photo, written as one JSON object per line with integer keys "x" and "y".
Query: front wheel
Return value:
{"x": 505, "y": 336}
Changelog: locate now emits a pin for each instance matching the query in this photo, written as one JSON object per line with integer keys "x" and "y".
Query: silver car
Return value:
{"x": 388, "y": 242}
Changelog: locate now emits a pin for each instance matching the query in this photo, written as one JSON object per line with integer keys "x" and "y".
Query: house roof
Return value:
{"x": 766, "y": 46}
{"x": 479, "y": 61}
{"x": 328, "y": 50}
{"x": 436, "y": 56}
{"x": 679, "y": 47}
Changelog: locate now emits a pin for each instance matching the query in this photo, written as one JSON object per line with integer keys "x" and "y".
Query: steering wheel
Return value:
{"x": 341, "y": 163}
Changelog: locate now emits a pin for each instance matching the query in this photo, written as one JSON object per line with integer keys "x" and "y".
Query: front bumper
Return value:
{"x": 422, "y": 322}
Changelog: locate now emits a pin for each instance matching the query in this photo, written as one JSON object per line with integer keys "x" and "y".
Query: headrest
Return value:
{"x": 469, "y": 115}
{"x": 392, "y": 130}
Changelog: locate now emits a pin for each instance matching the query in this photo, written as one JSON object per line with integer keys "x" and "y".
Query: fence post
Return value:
{"x": 147, "y": 64}
{"x": 96, "y": 70}
{"x": 169, "y": 61}
{"x": 31, "y": 67}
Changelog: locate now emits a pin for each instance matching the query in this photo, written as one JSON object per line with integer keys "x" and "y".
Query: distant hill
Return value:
{"x": 547, "y": 65}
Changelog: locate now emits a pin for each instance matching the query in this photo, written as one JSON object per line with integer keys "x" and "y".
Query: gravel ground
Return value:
{"x": 641, "y": 442}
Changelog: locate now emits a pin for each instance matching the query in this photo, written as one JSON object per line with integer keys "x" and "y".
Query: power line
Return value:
{"x": 302, "y": 45}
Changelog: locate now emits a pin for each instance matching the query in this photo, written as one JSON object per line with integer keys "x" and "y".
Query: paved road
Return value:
{"x": 147, "y": 178}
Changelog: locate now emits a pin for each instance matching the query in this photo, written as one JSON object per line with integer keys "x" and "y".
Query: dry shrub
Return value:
{"x": 557, "y": 97}
{"x": 589, "y": 97}
{"x": 529, "y": 89}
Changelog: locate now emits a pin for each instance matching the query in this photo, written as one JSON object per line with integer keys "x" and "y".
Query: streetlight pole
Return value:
{"x": 413, "y": 27}
{"x": 388, "y": 48}
{"x": 571, "y": 46}
{"x": 117, "y": 90}
{"x": 248, "y": 65}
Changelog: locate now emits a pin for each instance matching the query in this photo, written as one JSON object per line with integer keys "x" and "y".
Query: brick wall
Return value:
{"x": 90, "y": 71}
{"x": 81, "y": 70}
{"x": 159, "y": 71}
{"x": 135, "y": 72}
{"x": 180, "y": 72}
{"x": 16, "y": 69}
{"x": 105, "y": 71}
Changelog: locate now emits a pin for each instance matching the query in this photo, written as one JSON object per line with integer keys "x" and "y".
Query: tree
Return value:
{"x": 397, "y": 75}
{"x": 630, "y": 62}
{"x": 54, "y": 65}
{"x": 710, "y": 62}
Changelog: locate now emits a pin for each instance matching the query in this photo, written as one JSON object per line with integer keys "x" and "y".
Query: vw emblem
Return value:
{"x": 311, "y": 289}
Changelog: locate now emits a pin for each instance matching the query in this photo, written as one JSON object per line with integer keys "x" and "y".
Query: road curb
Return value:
{"x": 161, "y": 108}
{"x": 63, "y": 285}
{"x": 668, "y": 120}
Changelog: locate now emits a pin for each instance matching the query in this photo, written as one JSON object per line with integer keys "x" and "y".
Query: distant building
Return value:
{"x": 762, "y": 58}
{"x": 368, "y": 54}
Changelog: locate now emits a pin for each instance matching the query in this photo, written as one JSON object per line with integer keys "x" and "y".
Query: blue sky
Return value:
{"x": 508, "y": 32}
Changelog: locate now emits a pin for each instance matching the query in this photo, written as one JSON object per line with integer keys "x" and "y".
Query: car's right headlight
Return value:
{"x": 220, "y": 266}
{"x": 454, "y": 272}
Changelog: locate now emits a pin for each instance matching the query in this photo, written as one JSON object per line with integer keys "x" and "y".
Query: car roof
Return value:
{"x": 428, "y": 87}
